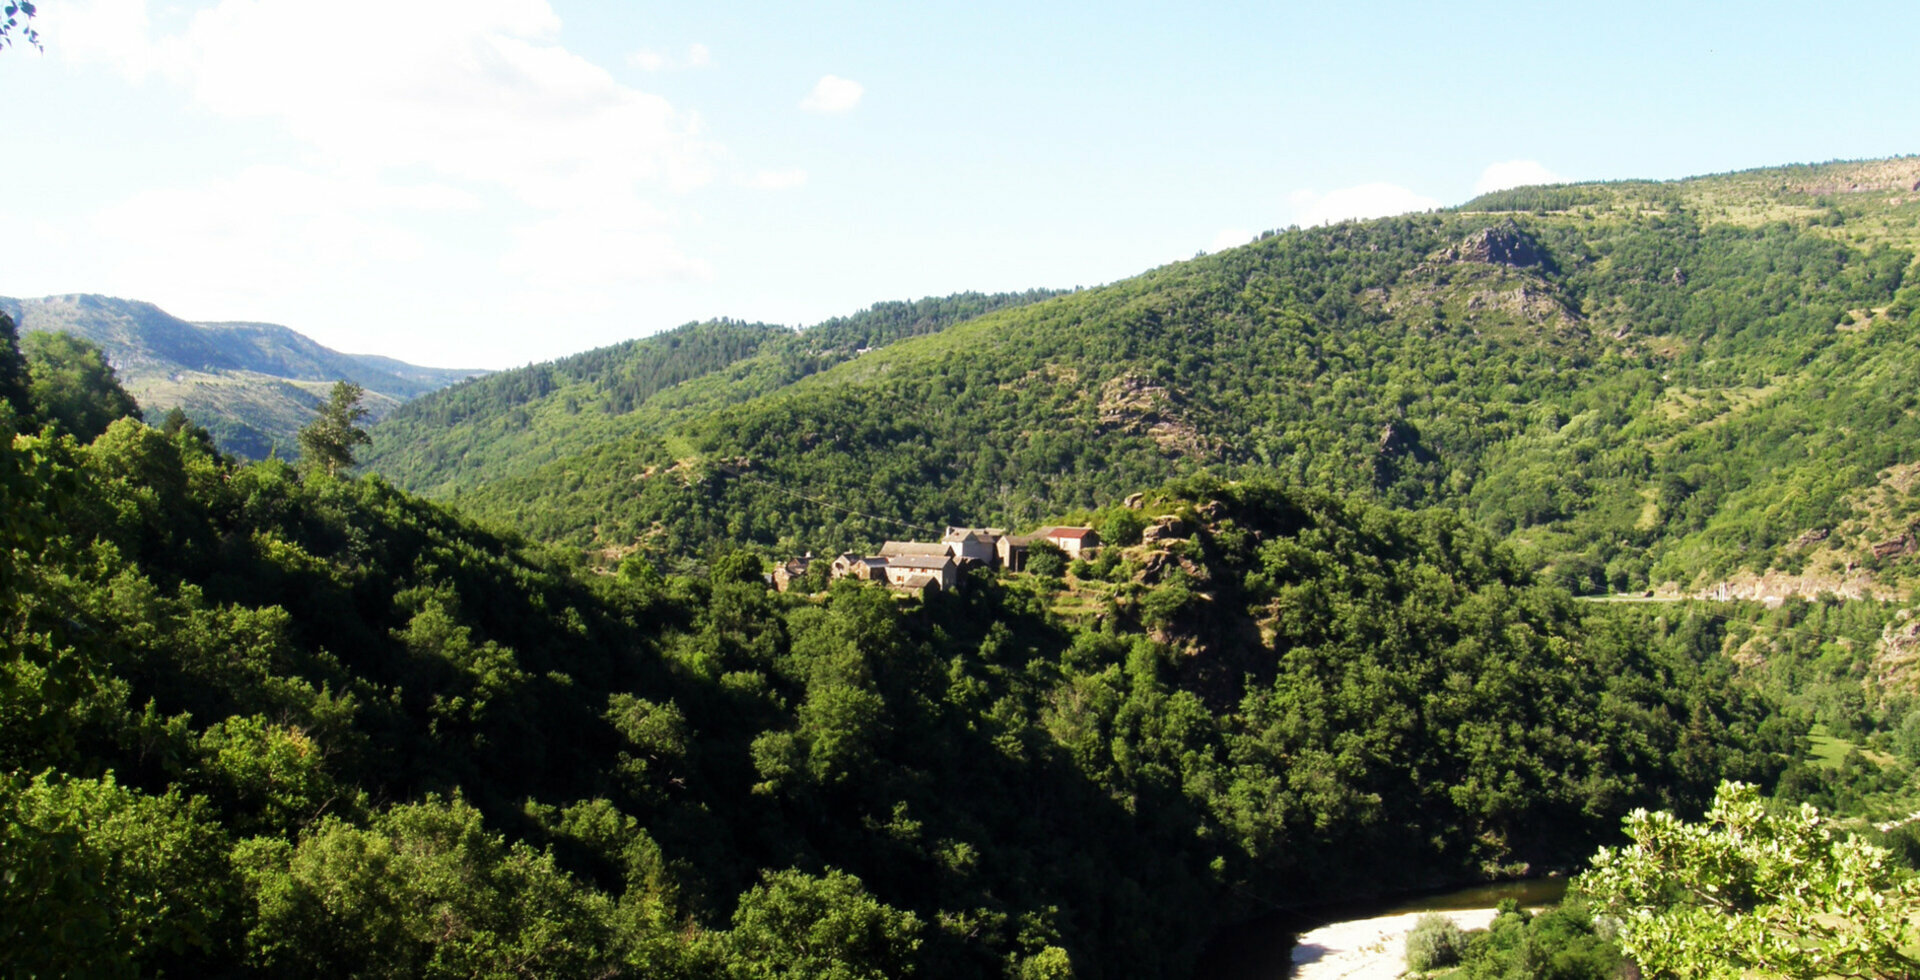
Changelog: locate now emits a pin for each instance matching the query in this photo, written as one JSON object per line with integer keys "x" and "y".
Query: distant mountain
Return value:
{"x": 1697, "y": 386}
{"x": 252, "y": 384}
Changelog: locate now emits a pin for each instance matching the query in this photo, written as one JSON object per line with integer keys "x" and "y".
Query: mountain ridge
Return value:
{"x": 1622, "y": 409}
{"x": 251, "y": 384}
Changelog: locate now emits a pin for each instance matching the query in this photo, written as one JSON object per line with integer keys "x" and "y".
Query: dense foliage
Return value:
{"x": 1637, "y": 384}
{"x": 255, "y": 721}
{"x": 1755, "y": 889}
{"x": 513, "y": 421}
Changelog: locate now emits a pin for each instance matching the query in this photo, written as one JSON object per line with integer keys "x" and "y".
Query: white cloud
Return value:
{"x": 833, "y": 94}
{"x": 777, "y": 180}
{"x": 1376, "y": 200}
{"x": 647, "y": 59}
{"x": 1230, "y": 238}
{"x": 1514, "y": 173}
{"x": 440, "y": 106}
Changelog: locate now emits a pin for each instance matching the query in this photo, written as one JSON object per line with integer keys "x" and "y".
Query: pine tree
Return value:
{"x": 328, "y": 441}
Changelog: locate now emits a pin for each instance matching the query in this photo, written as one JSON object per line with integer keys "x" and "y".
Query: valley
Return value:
{"x": 1360, "y": 560}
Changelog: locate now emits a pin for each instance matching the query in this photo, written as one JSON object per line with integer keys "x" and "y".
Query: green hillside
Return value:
{"x": 514, "y": 421}
{"x": 260, "y": 722}
{"x": 1702, "y": 383}
{"x": 251, "y": 384}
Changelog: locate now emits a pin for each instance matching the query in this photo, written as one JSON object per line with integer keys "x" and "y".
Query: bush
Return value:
{"x": 1434, "y": 942}
{"x": 1044, "y": 558}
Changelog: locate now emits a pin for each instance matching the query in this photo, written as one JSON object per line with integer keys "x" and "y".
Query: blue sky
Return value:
{"x": 488, "y": 182}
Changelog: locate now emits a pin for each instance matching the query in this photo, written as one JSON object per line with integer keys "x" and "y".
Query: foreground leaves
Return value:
{"x": 1755, "y": 889}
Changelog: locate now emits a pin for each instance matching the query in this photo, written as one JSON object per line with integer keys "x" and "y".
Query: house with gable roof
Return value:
{"x": 974, "y": 545}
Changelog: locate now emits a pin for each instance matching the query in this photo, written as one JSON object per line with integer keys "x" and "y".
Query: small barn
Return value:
{"x": 1075, "y": 541}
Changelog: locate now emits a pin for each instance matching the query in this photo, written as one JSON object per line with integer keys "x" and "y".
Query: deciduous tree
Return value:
{"x": 1754, "y": 890}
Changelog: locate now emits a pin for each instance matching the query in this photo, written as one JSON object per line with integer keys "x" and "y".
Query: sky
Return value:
{"x": 485, "y": 183}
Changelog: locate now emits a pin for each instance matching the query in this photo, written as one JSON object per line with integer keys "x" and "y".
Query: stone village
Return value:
{"x": 925, "y": 567}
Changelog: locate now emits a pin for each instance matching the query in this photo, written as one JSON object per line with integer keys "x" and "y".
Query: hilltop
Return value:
{"x": 1639, "y": 385}
{"x": 251, "y": 384}
{"x": 514, "y": 421}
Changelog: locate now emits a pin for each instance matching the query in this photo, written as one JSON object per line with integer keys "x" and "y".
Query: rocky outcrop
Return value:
{"x": 1130, "y": 403}
{"x": 1504, "y": 244}
{"x": 1899, "y": 651}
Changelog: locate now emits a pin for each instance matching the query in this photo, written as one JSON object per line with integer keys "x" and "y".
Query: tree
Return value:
{"x": 797, "y": 925}
{"x": 18, "y": 13}
{"x": 72, "y": 384}
{"x": 13, "y": 370}
{"x": 328, "y": 441}
{"x": 1755, "y": 890}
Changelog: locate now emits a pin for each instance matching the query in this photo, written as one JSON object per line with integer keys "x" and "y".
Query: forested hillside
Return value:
{"x": 515, "y": 421}
{"x": 1639, "y": 385}
{"x": 250, "y": 384}
{"x": 255, "y": 720}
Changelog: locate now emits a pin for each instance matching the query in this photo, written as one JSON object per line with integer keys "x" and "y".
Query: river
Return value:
{"x": 1340, "y": 941}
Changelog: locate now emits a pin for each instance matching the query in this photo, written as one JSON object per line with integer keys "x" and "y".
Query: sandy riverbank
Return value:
{"x": 1367, "y": 949}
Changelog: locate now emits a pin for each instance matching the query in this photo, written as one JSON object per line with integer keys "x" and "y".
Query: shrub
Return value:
{"x": 1434, "y": 942}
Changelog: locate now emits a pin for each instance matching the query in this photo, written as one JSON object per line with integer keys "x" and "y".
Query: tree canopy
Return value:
{"x": 71, "y": 384}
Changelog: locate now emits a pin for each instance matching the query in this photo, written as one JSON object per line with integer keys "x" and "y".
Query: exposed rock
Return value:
{"x": 1899, "y": 650}
{"x": 1902, "y": 545}
{"x": 1135, "y": 501}
{"x": 1814, "y": 536}
{"x": 1396, "y": 437}
{"x": 1154, "y": 568}
{"x": 1171, "y": 524}
{"x": 1531, "y": 304}
{"x": 1132, "y": 404}
{"x": 1503, "y": 244}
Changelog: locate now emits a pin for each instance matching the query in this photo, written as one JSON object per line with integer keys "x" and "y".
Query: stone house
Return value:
{"x": 786, "y": 572}
{"x": 912, "y": 549}
{"x": 1073, "y": 540}
{"x": 974, "y": 545}
{"x": 903, "y": 571}
{"x": 869, "y": 568}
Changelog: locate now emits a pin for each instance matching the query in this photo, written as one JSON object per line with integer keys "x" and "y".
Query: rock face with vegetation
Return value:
{"x": 1638, "y": 385}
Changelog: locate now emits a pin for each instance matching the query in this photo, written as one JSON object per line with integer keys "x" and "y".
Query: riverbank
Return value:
{"x": 1356, "y": 940}
{"x": 1368, "y": 949}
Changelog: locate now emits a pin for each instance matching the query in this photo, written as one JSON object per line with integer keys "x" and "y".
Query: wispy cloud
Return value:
{"x": 647, "y": 59}
{"x": 1376, "y": 200}
{"x": 832, "y": 95}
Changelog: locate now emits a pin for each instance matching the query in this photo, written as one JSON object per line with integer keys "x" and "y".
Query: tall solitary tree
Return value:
{"x": 327, "y": 442}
